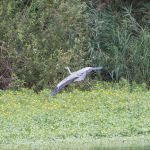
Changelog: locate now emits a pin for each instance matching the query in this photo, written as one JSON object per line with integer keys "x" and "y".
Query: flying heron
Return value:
{"x": 73, "y": 77}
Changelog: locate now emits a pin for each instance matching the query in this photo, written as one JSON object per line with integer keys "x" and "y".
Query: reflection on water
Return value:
{"x": 121, "y": 148}
{"x": 71, "y": 147}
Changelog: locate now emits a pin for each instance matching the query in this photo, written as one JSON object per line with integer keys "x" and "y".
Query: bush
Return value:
{"x": 45, "y": 37}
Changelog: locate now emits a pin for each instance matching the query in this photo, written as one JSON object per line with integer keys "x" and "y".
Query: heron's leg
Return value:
{"x": 88, "y": 85}
{"x": 84, "y": 85}
{"x": 78, "y": 85}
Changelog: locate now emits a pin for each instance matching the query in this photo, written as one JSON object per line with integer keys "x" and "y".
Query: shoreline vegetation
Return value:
{"x": 38, "y": 39}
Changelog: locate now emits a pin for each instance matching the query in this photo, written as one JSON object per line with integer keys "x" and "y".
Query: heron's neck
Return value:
{"x": 69, "y": 70}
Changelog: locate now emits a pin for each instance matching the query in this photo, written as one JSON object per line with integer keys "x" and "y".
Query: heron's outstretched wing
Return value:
{"x": 63, "y": 83}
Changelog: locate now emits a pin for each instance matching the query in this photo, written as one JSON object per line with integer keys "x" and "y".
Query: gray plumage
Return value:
{"x": 74, "y": 76}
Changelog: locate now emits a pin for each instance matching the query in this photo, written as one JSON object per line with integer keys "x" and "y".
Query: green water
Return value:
{"x": 71, "y": 147}
{"x": 121, "y": 148}
{"x": 115, "y": 143}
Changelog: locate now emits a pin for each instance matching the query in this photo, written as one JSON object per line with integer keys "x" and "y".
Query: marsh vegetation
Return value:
{"x": 106, "y": 112}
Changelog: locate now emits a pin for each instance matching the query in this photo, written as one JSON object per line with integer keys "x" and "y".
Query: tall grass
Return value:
{"x": 119, "y": 42}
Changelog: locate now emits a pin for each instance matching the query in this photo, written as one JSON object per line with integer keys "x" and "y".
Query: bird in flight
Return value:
{"x": 73, "y": 77}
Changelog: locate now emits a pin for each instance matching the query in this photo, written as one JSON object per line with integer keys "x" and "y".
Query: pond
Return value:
{"x": 121, "y": 148}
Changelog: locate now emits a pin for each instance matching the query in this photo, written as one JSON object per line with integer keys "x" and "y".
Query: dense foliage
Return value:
{"x": 107, "y": 111}
{"x": 38, "y": 38}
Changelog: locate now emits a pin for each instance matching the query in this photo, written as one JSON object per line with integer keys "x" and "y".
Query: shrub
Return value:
{"x": 45, "y": 36}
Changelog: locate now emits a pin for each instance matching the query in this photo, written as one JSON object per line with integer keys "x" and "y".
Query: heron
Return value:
{"x": 74, "y": 77}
